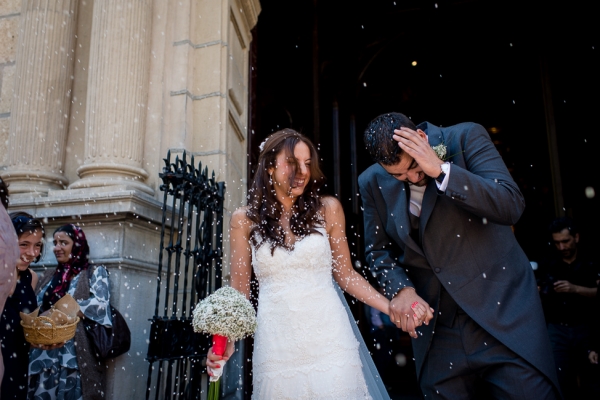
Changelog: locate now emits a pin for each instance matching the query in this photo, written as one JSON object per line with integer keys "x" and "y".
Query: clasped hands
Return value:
{"x": 565, "y": 287}
{"x": 409, "y": 311}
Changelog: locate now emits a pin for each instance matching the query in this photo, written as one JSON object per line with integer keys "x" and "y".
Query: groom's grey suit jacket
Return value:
{"x": 467, "y": 244}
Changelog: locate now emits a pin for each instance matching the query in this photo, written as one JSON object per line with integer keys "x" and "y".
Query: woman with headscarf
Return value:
{"x": 71, "y": 372}
{"x": 15, "y": 349}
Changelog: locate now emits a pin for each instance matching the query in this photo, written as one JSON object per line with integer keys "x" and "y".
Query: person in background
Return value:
{"x": 9, "y": 254}
{"x": 15, "y": 349}
{"x": 567, "y": 285}
{"x": 71, "y": 371}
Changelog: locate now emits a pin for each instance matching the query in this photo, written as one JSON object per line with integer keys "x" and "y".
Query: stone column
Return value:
{"x": 117, "y": 95}
{"x": 40, "y": 111}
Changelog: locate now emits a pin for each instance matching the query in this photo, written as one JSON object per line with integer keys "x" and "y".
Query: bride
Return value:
{"x": 305, "y": 346}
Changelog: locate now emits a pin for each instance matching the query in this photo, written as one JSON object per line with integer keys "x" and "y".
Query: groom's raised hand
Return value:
{"x": 416, "y": 145}
{"x": 408, "y": 311}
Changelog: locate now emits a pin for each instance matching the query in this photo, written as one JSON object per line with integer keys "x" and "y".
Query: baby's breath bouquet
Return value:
{"x": 225, "y": 314}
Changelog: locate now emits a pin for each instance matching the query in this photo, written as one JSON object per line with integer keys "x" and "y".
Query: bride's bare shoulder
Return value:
{"x": 331, "y": 209}
{"x": 330, "y": 204}
{"x": 239, "y": 219}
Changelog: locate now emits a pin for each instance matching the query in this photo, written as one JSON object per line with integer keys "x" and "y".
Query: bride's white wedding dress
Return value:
{"x": 304, "y": 346}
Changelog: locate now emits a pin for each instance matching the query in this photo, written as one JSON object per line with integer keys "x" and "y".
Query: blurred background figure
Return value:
{"x": 567, "y": 282}
{"x": 15, "y": 349}
{"x": 9, "y": 254}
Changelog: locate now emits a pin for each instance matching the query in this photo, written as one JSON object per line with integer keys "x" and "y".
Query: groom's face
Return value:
{"x": 407, "y": 170}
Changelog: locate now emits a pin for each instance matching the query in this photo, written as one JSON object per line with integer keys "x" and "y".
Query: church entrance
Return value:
{"x": 528, "y": 74}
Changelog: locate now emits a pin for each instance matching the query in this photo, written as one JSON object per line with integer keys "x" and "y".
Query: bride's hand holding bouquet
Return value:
{"x": 215, "y": 361}
{"x": 228, "y": 316}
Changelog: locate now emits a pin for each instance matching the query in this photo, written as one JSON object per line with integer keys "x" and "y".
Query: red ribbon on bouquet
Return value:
{"x": 219, "y": 344}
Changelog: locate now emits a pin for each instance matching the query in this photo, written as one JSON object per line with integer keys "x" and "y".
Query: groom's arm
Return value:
{"x": 479, "y": 181}
{"x": 383, "y": 262}
{"x": 380, "y": 252}
{"x": 484, "y": 186}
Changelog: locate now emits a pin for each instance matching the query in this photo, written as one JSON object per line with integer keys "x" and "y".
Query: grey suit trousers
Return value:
{"x": 466, "y": 362}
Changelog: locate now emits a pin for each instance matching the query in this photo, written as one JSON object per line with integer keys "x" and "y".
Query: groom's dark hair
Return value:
{"x": 378, "y": 137}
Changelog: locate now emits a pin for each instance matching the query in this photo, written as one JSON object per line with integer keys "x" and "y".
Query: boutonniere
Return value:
{"x": 440, "y": 150}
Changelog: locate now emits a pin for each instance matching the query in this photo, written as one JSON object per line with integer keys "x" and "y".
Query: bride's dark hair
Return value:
{"x": 263, "y": 207}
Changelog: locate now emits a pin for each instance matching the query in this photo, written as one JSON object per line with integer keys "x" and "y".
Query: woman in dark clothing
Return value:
{"x": 15, "y": 350}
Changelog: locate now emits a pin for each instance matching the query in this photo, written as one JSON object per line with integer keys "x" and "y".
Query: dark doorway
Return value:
{"x": 526, "y": 71}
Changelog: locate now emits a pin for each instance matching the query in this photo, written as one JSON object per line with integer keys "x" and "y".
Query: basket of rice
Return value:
{"x": 56, "y": 325}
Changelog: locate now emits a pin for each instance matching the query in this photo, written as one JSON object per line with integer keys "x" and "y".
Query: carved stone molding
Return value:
{"x": 250, "y": 9}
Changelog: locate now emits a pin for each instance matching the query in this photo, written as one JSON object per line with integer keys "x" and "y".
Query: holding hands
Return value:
{"x": 408, "y": 311}
{"x": 565, "y": 287}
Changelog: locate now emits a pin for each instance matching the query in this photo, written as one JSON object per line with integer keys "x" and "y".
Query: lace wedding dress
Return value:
{"x": 304, "y": 346}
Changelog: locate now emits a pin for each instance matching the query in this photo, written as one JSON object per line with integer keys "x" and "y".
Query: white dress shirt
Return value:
{"x": 417, "y": 192}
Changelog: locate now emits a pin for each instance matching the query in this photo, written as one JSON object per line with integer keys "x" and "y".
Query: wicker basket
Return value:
{"x": 45, "y": 331}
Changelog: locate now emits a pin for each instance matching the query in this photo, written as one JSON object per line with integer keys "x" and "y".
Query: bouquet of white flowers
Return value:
{"x": 226, "y": 315}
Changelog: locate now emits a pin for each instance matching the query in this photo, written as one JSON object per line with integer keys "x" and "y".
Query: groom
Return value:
{"x": 438, "y": 208}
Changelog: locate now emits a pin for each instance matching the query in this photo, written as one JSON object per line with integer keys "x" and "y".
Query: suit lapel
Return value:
{"x": 429, "y": 198}
{"x": 435, "y": 136}
{"x": 403, "y": 228}
{"x": 399, "y": 209}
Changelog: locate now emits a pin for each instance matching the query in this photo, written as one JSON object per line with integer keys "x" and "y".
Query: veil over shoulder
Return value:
{"x": 373, "y": 379}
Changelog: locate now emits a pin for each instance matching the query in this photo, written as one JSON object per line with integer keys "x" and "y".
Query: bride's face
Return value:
{"x": 284, "y": 170}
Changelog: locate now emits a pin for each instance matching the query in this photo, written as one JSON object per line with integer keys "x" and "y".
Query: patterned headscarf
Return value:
{"x": 66, "y": 272}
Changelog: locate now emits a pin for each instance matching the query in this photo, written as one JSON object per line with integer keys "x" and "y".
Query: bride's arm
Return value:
{"x": 349, "y": 280}
{"x": 240, "y": 269}
{"x": 241, "y": 253}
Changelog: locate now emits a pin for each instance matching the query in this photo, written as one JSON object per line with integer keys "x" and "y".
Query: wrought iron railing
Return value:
{"x": 189, "y": 269}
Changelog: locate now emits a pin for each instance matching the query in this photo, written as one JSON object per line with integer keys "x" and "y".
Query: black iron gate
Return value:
{"x": 189, "y": 269}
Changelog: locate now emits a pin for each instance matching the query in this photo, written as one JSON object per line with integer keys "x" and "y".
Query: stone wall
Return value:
{"x": 92, "y": 96}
